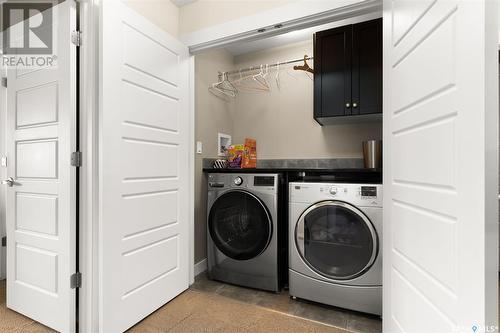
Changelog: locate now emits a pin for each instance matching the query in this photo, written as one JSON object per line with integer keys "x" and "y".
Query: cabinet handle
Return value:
{"x": 354, "y": 105}
{"x": 347, "y": 105}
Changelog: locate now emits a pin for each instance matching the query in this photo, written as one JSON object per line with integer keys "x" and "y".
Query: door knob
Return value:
{"x": 354, "y": 105}
{"x": 347, "y": 105}
{"x": 9, "y": 182}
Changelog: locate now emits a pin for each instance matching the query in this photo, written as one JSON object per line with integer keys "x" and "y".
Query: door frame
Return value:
{"x": 3, "y": 173}
{"x": 88, "y": 196}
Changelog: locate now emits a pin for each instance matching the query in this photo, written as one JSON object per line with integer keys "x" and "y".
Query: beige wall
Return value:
{"x": 205, "y": 13}
{"x": 282, "y": 120}
{"x": 213, "y": 115}
{"x": 163, "y": 13}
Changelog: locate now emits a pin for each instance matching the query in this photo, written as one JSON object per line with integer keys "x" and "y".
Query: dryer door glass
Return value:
{"x": 240, "y": 225}
{"x": 336, "y": 240}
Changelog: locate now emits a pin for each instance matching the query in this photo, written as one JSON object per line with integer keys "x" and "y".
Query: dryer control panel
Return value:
{"x": 369, "y": 195}
{"x": 256, "y": 182}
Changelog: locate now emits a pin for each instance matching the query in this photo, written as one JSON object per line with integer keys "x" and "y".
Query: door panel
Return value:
{"x": 3, "y": 170}
{"x": 440, "y": 174}
{"x": 41, "y": 206}
{"x": 332, "y": 81}
{"x": 367, "y": 67}
{"x": 143, "y": 168}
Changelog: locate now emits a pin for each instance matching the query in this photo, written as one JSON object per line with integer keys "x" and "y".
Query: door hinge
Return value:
{"x": 76, "y": 280}
{"x": 76, "y": 159}
{"x": 4, "y": 241}
{"x": 76, "y": 38}
{"x": 4, "y": 82}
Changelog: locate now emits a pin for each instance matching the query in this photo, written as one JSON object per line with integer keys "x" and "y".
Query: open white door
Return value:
{"x": 143, "y": 167}
{"x": 41, "y": 199}
{"x": 3, "y": 170}
{"x": 440, "y": 166}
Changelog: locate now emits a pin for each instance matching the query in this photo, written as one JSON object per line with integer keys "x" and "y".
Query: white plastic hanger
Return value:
{"x": 254, "y": 84}
{"x": 224, "y": 87}
{"x": 260, "y": 78}
{"x": 277, "y": 77}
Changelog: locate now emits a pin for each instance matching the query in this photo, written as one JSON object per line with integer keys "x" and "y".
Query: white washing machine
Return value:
{"x": 335, "y": 244}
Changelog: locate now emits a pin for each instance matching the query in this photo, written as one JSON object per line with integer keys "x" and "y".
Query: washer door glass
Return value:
{"x": 336, "y": 240}
{"x": 240, "y": 225}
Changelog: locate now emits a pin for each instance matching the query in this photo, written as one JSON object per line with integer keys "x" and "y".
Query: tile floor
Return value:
{"x": 283, "y": 304}
{"x": 210, "y": 306}
{"x": 198, "y": 311}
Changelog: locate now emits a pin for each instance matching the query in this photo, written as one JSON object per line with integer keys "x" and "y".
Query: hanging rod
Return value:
{"x": 254, "y": 68}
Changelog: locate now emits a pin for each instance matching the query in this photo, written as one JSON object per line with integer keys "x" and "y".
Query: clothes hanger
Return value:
{"x": 224, "y": 87}
{"x": 222, "y": 94}
{"x": 261, "y": 79}
{"x": 277, "y": 77}
{"x": 304, "y": 67}
{"x": 219, "y": 94}
{"x": 242, "y": 78}
{"x": 257, "y": 82}
{"x": 267, "y": 72}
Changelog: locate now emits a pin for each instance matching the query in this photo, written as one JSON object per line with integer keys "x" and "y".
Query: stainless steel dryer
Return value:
{"x": 242, "y": 229}
{"x": 335, "y": 244}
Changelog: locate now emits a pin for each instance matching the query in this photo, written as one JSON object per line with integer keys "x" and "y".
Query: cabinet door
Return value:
{"x": 367, "y": 67}
{"x": 332, "y": 80}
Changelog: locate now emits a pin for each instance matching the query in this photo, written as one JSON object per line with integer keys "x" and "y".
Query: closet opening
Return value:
{"x": 262, "y": 91}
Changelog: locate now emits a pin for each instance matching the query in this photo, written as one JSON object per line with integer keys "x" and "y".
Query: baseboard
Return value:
{"x": 200, "y": 267}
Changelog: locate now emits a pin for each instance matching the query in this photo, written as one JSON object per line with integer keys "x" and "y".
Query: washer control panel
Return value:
{"x": 361, "y": 194}
{"x": 258, "y": 182}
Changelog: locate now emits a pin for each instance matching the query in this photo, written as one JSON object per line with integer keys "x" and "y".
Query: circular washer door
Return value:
{"x": 240, "y": 225}
{"x": 336, "y": 240}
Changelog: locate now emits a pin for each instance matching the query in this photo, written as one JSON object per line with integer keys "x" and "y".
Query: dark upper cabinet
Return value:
{"x": 348, "y": 73}
{"x": 332, "y": 76}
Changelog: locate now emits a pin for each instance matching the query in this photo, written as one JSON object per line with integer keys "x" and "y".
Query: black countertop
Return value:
{"x": 278, "y": 170}
{"x": 371, "y": 176}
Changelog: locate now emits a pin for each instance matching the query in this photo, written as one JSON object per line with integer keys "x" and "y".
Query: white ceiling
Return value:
{"x": 180, "y": 3}
{"x": 292, "y": 37}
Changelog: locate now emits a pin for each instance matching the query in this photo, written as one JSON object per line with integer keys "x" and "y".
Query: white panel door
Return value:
{"x": 41, "y": 204}
{"x": 440, "y": 166}
{"x": 3, "y": 171}
{"x": 143, "y": 168}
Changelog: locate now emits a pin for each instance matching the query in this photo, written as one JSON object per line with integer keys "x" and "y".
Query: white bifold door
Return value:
{"x": 440, "y": 166}
{"x": 41, "y": 191}
{"x": 143, "y": 166}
